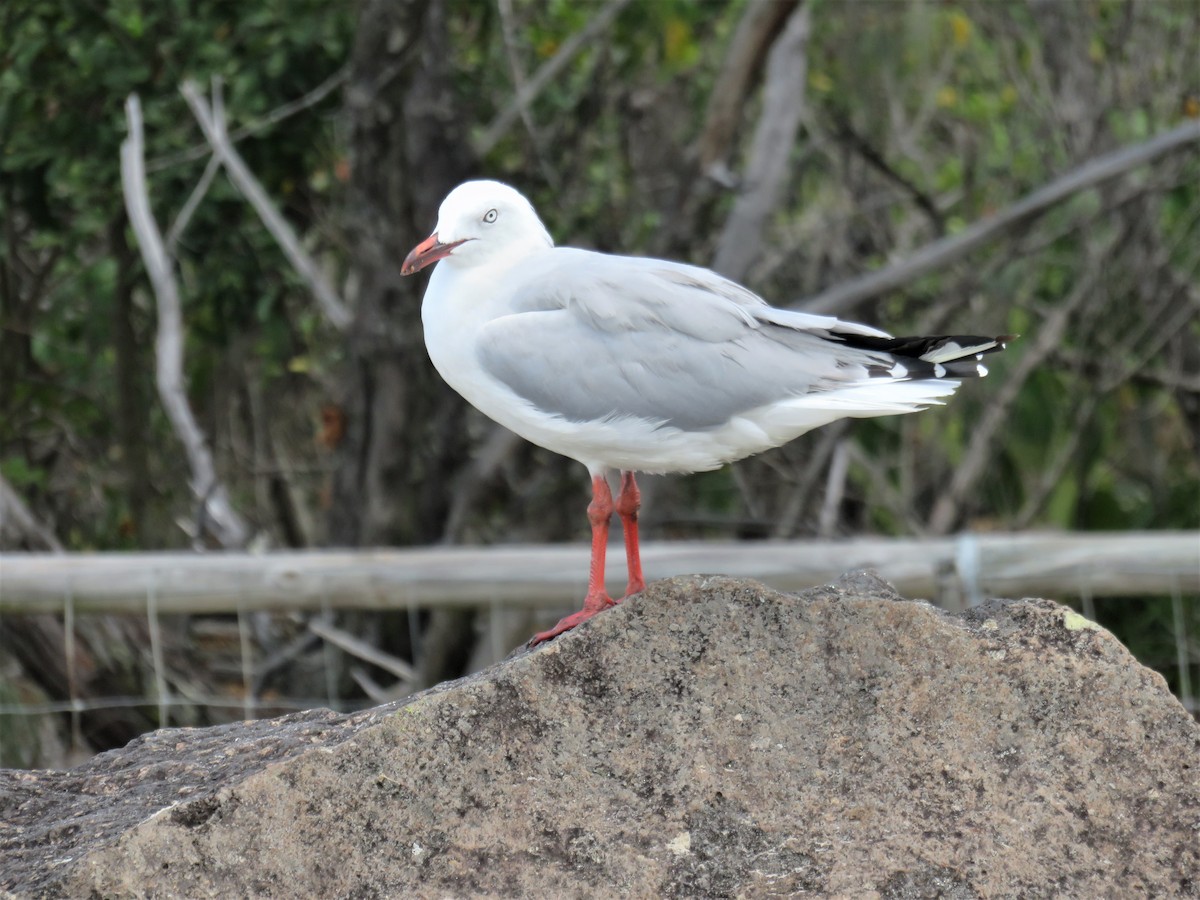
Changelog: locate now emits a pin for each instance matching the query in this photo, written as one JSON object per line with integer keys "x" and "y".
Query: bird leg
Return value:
{"x": 629, "y": 501}
{"x": 600, "y": 512}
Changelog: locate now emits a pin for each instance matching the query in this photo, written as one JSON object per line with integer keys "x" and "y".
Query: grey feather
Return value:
{"x": 609, "y": 337}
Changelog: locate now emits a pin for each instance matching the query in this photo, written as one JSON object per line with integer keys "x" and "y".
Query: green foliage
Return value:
{"x": 957, "y": 99}
{"x": 64, "y": 75}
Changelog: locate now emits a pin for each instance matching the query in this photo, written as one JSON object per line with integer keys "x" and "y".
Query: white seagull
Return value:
{"x": 630, "y": 364}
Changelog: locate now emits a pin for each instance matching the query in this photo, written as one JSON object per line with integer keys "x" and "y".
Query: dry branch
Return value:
{"x": 193, "y": 202}
{"x": 546, "y": 74}
{"x": 215, "y": 508}
{"x": 835, "y": 489}
{"x": 212, "y": 123}
{"x": 748, "y": 47}
{"x": 486, "y": 460}
{"x": 979, "y": 451}
{"x": 508, "y": 32}
{"x": 845, "y": 132}
{"x": 284, "y": 111}
{"x": 797, "y": 500}
{"x": 359, "y": 648}
{"x": 19, "y": 526}
{"x": 771, "y": 149}
{"x": 845, "y": 296}
{"x": 1050, "y": 474}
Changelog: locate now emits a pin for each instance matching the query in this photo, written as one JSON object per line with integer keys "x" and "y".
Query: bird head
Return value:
{"x": 480, "y": 221}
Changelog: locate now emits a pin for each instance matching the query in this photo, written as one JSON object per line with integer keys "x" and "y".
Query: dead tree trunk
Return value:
{"x": 402, "y": 443}
{"x": 408, "y": 149}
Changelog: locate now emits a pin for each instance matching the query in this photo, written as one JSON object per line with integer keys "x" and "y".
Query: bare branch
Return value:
{"x": 18, "y": 525}
{"x": 508, "y": 31}
{"x": 755, "y": 31}
{"x": 278, "y": 114}
{"x": 845, "y": 296}
{"x": 355, "y": 646}
{"x": 491, "y": 454}
{"x": 797, "y": 500}
{"x": 845, "y": 132}
{"x": 771, "y": 149}
{"x": 193, "y": 201}
{"x": 213, "y": 126}
{"x": 883, "y": 492}
{"x": 375, "y": 692}
{"x": 224, "y": 520}
{"x": 1156, "y": 334}
{"x": 835, "y": 489}
{"x": 546, "y": 74}
{"x": 979, "y": 450}
{"x": 1050, "y": 474}
{"x": 1176, "y": 381}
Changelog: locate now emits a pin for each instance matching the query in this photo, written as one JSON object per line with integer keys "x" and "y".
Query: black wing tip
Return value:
{"x": 962, "y": 368}
{"x": 925, "y": 346}
{"x": 916, "y": 358}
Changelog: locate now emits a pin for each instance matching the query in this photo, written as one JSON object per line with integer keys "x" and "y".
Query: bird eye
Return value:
{"x": 490, "y": 216}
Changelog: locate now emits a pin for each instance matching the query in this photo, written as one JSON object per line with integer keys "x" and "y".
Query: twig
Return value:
{"x": 278, "y": 114}
{"x": 1176, "y": 381}
{"x": 284, "y": 656}
{"x": 213, "y": 125}
{"x": 846, "y": 132}
{"x": 17, "y": 520}
{"x": 1176, "y": 323}
{"x": 770, "y": 150}
{"x": 845, "y": 296}
{"x": 343, "y": 640}
{"x": 1051, "y": 475}
{"x": 546, "y": 74}
{"x": 979, "y": 450}
{"x": 797, "y": 500}
{"x": 835, "y": 489}
{"x": 193, "y": 201}
{"x": 375, "y": 692}
{"x": 508, "y": 32}
{"x": 883, "y": 492}
{"x": 747, "y": 49}
{"x": 491, "y": 454}
{"x": 225, "y": 522}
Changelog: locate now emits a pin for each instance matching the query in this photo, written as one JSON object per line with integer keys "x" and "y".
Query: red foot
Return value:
{"x": 591, "y": 606}
{"x": 599, "y": 514}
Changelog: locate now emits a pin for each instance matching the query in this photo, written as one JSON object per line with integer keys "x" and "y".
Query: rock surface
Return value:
{"x": 711, "y": 738}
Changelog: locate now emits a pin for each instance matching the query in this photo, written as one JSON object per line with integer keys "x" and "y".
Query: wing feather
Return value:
{"x": 596, "y": 337}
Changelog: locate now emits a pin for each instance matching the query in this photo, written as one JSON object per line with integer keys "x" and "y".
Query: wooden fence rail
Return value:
{"x": 953, "y": 571}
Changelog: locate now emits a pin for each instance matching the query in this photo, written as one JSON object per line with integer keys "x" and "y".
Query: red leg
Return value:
{"x": 599, "y": 514}
{"x": 629, "y": 501}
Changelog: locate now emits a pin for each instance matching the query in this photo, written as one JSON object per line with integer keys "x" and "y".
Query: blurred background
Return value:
{"x": 210, "y": 347}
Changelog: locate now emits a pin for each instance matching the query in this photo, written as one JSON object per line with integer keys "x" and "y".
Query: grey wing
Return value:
{"x": 569, "y": 369}
{"x": 610, "y": 337}
{"x": 620, "y": 293}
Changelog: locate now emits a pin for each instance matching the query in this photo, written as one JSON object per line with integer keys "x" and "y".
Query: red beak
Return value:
{"x": 426, "y": 253}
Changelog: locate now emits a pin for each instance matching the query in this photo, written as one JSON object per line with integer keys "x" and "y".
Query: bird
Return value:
{"x": 638, "y": 365}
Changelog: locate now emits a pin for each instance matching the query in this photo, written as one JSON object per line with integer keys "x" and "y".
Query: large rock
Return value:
{"x": 711, "y": 738}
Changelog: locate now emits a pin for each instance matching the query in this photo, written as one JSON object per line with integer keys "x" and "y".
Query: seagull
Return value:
{"x": 630, "y": 364}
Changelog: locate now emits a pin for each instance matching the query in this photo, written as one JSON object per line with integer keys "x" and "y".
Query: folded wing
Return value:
{"x": 599, "y": 337}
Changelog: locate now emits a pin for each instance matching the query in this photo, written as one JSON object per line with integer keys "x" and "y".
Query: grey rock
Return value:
{"x": 710, "y": 738}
